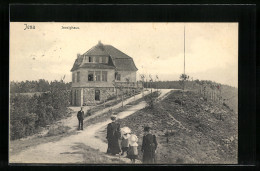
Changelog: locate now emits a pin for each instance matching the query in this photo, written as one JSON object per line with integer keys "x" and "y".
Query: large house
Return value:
{"x": 102, "y": 72}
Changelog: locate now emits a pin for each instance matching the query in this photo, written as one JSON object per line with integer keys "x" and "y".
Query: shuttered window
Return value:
{"x": 104, "y": 75}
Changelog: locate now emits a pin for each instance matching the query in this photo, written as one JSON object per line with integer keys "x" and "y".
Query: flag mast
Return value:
{"x": 184, "y": 50}
{"x": 184, "y": 76}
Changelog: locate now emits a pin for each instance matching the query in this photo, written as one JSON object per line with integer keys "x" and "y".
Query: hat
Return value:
{"x": 147, "y": 128}
{"x": 133, "y": 140}
{"x": 113, "y": 117}
{"x": 125, "y": 130}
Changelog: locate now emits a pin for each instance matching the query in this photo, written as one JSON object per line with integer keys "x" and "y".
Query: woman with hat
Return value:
{"x": 149, "y": 146}
{"x": 113, "y": 136}
{"x": 132, "y": 152}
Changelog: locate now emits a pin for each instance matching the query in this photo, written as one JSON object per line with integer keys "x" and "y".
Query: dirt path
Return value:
{"x": 62, "y": 151}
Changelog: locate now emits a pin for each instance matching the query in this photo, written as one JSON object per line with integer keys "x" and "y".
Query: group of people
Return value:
{"x": 121, "y": 141}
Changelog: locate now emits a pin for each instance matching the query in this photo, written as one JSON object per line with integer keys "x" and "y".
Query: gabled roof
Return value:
{"x": 115, "y": 53}
{"x": 120, "y": 61}
{"x": 97, "y": 50}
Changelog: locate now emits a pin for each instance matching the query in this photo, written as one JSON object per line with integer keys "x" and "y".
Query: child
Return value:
{"x": 132, "y": 153}
{"x": 125, "y": 143}
{"x": 125, "y": 131}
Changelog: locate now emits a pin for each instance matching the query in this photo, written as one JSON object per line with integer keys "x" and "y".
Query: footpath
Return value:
{"x": 62, "y": 151}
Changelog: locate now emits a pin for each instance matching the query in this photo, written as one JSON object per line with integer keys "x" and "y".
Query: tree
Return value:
{"x": 127, "y": 81}
{"x": 142, "y": 77}
{"x": 183, "y": 78}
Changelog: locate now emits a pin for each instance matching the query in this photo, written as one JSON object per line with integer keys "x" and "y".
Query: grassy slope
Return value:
{"x": 198, "y": 135}
{"x": 231, "y": 94}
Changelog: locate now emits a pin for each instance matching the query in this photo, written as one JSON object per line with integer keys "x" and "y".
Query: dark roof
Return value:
{"x": 120, "y": 60}
{"x": 97, "y": 50}
{"x": 115, "y": 53}
{"x": 77, "y": 63}
{"x": 125, "y": 64}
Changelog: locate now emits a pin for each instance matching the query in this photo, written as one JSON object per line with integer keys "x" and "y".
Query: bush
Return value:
{"x": 151, "y": 99}
{"x": 29, "y": 113}
{"x": 58, "y": 130}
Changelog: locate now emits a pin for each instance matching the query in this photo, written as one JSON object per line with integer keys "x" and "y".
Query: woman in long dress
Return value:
{"x": 113, "y": 136}
{"x": 149, "y": 146}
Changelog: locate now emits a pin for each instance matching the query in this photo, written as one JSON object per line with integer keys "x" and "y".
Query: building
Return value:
{"x": 100, "y": 73}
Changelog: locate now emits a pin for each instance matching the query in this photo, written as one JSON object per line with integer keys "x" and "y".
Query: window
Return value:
{"x": 73, "y": 77}
{"x": 90, "y": 59}
{"x": 86, "y": 58}
{"x": 98, "y": 75}
{"x": 78, "y": 76}
{"x": 91, "y": 76}
{"x": 118, "y": 77}
{"x": 97, "y": 59}
{"x": 104, "y": 75}
{"x": 104, "y": 59}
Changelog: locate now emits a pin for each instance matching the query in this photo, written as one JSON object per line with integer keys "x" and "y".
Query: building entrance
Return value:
{"x": 97, "y": 95}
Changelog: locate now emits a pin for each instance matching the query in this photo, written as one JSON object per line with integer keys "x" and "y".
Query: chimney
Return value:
{"x": 78, "y": 55}
{"x": 100, "y": 45}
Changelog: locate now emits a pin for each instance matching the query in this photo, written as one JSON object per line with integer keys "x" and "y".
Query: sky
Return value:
{"x": 48, "y": 51}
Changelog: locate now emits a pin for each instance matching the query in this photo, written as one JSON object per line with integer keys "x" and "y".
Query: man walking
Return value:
{"x": 80, "y": 116}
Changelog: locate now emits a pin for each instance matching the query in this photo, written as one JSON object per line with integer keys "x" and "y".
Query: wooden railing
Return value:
{"x": 129, "y": 84}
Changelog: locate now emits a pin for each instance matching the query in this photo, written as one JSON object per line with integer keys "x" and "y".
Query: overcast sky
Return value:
{"x": 48, "y": 51}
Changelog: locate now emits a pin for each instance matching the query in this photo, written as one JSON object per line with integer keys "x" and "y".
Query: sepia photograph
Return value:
{"x": 123, "y": 93}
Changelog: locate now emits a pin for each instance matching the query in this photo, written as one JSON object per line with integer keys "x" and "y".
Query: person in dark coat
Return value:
{"x": 149, "y": 146}
{"x": 80, "y": 117}
{"x": 113, "y": 137}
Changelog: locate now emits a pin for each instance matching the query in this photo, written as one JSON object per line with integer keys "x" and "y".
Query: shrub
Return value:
{"x": 151, "y": 99}
{"x": 29, "y": 113}
{"x": 58, "y": 130}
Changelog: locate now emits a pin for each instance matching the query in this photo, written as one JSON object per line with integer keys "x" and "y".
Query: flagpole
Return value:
{"x": 184, "y": 49}
{"x": 184, "y": 61}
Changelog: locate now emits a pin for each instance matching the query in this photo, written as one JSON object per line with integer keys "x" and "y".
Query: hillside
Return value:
{"x": 199, "y": 131}
{"x": 228, "y": 93}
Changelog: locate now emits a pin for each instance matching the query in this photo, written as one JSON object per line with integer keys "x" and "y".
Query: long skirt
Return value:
{"x": 149, "y": 156}
{"x": 113, "y": 146}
